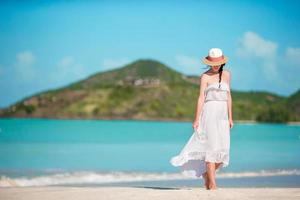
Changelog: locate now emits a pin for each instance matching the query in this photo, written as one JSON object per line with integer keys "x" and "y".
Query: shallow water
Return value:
{"x": 49, "y": 152}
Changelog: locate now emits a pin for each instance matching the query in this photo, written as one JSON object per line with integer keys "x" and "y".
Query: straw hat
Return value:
{"x": 215, "y": 57}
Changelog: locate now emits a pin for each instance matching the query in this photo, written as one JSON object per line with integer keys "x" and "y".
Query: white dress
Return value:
{"x": 211, "y": 141}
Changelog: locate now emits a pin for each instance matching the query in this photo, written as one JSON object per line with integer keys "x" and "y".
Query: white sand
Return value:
{"x": 131, "y": 193}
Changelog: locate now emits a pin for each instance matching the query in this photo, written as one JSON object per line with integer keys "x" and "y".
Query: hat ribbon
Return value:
{"x": 215, "y": 59}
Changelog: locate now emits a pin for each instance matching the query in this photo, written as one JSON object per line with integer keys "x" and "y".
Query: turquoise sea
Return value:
{"x": 38, "y": 152}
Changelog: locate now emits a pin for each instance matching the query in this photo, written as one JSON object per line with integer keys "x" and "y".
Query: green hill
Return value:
{"x": 149, "y": 90}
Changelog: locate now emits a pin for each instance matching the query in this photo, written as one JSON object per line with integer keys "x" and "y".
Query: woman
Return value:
{"x": 208, "y": 148}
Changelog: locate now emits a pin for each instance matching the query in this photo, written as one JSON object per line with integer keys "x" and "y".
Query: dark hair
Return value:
{"x": 220, "y": 72}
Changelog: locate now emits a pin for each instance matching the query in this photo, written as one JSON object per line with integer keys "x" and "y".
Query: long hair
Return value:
{"x": 220, "y": 72}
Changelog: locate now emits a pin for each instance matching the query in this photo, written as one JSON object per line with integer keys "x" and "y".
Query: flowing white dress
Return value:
{"x": 211, "y": 141}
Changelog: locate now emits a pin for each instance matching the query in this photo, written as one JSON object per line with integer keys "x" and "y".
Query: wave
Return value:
{"x": 88, "y": 177}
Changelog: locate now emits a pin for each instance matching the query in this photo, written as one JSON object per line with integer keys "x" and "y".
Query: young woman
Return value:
{"x": 208, "y": 148}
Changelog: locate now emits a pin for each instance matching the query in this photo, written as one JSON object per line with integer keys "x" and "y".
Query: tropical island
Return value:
{"x": 146, "y": 89}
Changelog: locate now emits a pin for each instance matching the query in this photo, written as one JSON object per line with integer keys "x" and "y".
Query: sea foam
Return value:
{"x": 88, "y": 177}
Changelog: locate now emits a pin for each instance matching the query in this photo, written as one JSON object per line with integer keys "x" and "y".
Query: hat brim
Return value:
{"x": 208, "y": 62}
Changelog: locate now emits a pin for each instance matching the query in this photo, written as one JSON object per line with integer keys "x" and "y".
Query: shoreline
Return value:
{"x": 137, "y": 119}
{"x": 147, "y": 193}
{"x": 286, "y": 180}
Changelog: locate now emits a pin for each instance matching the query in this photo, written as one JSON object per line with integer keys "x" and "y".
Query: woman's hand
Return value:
{"x": 196, "y": 124}
{"x": 230, "y": 123}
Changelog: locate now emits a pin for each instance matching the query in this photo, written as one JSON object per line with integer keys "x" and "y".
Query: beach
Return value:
{"x": 143, "y": 193}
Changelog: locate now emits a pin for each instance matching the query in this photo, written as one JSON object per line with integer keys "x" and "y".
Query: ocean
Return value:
{"x": 40, "y": 152}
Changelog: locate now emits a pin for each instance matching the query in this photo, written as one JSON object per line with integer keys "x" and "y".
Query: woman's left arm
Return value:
{"x": 229, "y": 101}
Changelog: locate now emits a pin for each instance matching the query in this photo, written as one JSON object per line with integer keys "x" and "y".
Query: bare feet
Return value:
{"x": 208, "y": 185}
{"x": 211, "y": 172}
{"x": 205, "y": 177}
{"x": 212, "y": 187}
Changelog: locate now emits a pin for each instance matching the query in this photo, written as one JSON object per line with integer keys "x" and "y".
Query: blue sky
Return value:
{"x": 49, "y": 44}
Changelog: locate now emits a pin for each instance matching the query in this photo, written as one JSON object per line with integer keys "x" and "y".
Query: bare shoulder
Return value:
{"x": 227, "y": 73}
{"x": 203, "y": 76}
{"x": 203, "y": 80}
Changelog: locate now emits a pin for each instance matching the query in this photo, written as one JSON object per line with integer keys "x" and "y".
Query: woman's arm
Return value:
{"x": 229, "y": 100}
{"x": 201, "y": 97}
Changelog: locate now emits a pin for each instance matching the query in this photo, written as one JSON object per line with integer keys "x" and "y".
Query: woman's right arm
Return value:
{"x": 200, "y": 101}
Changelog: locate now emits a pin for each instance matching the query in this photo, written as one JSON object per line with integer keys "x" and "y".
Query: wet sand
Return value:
{"x": 145, "y": 193}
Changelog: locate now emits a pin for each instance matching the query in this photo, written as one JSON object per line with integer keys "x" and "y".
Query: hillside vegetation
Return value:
{"x": 149, "y": 90}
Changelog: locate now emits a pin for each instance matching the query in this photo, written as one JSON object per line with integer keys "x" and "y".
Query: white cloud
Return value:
{"x": 113, "y": 63}
{"x": 188, "y": 64}
{"x": 25, "y": 58}
{"x": 66, "y": 61}
{"x": 252, "y": 45}
{"x": 24, "y": 66}
{"x": 292, "y": 55}
{"x": 67, "y": 69}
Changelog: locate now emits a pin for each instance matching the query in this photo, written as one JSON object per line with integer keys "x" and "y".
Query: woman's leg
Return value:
{"x": 217, "y": 165}
{"x": 205, "y": 177}
{"x": 211, "y": 175}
